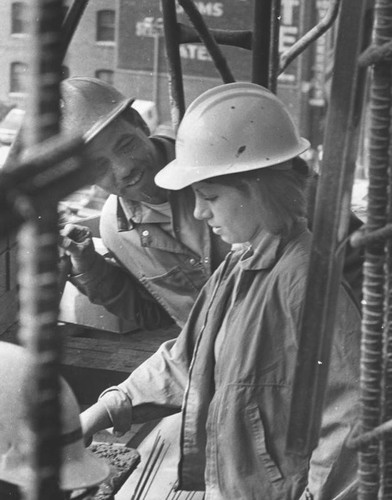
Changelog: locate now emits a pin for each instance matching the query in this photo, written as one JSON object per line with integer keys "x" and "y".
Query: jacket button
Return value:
{"x": 192, "y": 261}
{"x": 145, "y": 233}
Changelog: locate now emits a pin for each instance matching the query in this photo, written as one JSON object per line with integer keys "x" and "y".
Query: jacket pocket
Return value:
{"x": 176, "y": 277}
{"x": 258, "y": 433}
{"x": 175, "y": 291}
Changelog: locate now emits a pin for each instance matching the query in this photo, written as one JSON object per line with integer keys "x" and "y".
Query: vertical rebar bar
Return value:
{"x": 274, "y": 58}
{"x": 38, "y": 258}
{"x": 261, "y": 41}
{"x": 172, "y": 43}
{"x": 386, "y": 388}
{"x": 374, "y": 280}
{"x": 330, "y": 226}
{"x": 71, "y": 22}
{"x": 209, "y": 41}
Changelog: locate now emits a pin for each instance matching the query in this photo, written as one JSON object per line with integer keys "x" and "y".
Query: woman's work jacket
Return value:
{"x": 230, "y": 373}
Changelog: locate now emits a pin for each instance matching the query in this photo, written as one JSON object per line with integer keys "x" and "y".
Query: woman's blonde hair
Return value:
{"x": 281, "y": 190}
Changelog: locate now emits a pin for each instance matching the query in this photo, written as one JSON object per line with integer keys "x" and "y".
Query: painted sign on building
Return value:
{"x": 140, "y": 22}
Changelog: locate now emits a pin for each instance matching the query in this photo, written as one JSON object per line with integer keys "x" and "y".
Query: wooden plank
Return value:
{"x": 95, "y": 360}
{"x": 104, "y": 355}
{"x": 120, "y": 353}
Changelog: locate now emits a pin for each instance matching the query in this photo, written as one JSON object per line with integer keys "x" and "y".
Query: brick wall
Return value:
{"x": 85, "y": 55}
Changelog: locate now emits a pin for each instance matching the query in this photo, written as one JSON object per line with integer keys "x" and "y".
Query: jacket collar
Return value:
{"x": 269, "y": 248}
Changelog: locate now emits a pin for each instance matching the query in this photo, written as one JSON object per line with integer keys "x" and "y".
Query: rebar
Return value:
{"x": 175, "y": 81}
{"x": 303, "y": 43}
{"x": 330, "y": 227}
{"x": 371, "y": 411}
{"x": 71, "y": 22}
{"x": 38, "y": 257}
{"x": 211, "y": 45}
{"x": 363, "y": 236}
{"x": 236, "y": 38}
{"x": 151, "y": 468}
{"x": 261, "y": 41}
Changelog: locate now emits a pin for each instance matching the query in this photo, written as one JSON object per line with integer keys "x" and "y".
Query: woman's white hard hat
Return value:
{"x": 231, "y": 128}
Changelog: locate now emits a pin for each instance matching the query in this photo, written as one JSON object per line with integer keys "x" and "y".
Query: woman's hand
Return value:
{"x": 94, "y": 419}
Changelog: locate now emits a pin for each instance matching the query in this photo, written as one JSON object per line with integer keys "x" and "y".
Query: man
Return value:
{"x": 162, "y": 255}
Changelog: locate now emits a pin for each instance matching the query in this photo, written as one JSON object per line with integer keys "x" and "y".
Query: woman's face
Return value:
{"x": 232, "y": 213}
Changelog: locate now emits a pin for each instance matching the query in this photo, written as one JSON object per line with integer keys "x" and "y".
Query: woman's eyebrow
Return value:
{"x": 204, "y": 194}
{"x": 124, "y": 141}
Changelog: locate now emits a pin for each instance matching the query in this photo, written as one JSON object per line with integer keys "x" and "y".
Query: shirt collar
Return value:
{"x": 146, "y": 213}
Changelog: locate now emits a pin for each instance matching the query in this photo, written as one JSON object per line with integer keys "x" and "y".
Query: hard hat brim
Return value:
{"x": 106, "y": 120}
{"x": 176, "y": 175}
{"x": 88, "y": 471}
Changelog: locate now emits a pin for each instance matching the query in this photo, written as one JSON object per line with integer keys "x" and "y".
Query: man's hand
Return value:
{"x": 77, "y": 242}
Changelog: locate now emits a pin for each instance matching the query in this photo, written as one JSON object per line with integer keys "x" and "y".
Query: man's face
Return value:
{"x": 131, "y": 162}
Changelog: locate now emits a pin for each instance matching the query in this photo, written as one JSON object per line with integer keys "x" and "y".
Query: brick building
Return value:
{"x": 121, "y": 42}
{"x": 92, "y": 51}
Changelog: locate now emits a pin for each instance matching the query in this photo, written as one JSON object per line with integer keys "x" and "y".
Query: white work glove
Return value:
{"x": 77, "y": 242}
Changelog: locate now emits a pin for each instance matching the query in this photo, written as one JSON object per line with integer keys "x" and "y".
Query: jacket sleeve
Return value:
{"x": 109, "y": 285}
{"x": 157, "y": 387}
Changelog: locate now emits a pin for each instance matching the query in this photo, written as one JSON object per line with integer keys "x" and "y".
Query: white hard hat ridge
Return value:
{"x": 228, "y": 129}
{"x": 79, "y": 468}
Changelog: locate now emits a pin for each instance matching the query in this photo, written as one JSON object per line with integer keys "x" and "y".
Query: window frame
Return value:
{"x": 99, "y": 26}
{"x": 21, "y": 18}
{"x": 15, "y": 77}
{"x": 101, "y": 71}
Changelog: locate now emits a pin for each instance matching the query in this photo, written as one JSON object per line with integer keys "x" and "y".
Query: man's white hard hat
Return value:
{"x": 79, "y": 468}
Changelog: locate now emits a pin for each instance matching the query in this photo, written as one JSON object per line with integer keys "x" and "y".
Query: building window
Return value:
{"x": 105, "y": 25}
{"x": 19, "y": 18}
{"x": 18, "y": 77}
{"x": 64, "y": 72}
{"x": 105, "y": 74}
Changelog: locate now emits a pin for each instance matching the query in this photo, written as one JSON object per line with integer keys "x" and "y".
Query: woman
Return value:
{"x": 230, "y": 371}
